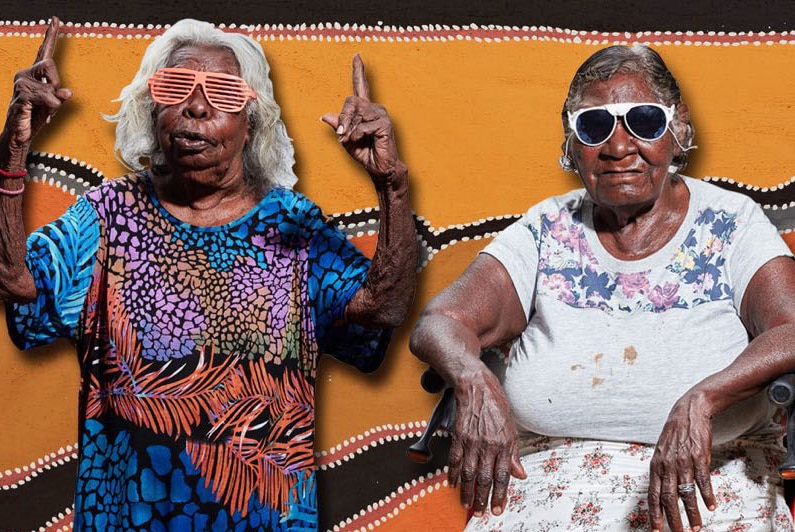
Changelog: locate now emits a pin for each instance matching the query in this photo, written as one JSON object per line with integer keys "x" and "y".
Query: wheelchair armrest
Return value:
{"x": 782, "y": 394}
{"x": 443, "y": 416}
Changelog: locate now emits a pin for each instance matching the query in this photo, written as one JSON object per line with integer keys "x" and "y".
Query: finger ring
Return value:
{"x": 684, "y": 489}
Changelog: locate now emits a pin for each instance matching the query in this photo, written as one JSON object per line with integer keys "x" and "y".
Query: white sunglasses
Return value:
{"x": 595, "y": 125}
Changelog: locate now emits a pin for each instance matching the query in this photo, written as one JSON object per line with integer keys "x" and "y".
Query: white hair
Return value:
{"x": 268, "y": 157}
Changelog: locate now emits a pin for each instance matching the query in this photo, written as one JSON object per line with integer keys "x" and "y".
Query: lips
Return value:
{"x": 629, "y": 170}
{"x": 190, "y": 141}
{"x": 621, "y": 172}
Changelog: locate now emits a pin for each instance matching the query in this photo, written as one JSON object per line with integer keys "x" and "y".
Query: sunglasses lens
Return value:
{"x": 594, "y": 126}
{"x": 226, "y": 94}
{"x": 646, "y": 122}
{"x": 168, "y": 87}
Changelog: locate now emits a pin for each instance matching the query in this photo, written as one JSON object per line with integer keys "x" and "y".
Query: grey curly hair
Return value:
{"x": 639, "y": 60}
{"x": 268, "y": 157}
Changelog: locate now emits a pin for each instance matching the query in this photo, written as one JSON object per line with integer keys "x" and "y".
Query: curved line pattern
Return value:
{"x": 13, "y": 478}
{"x": 388, "y": 507}
{"x": 59, "y": 523}
{"x": 379, "y": 435}
{"x": 348, "y": 463}
{"x": 77, "y": 177}
{"x": 337, "y": 32}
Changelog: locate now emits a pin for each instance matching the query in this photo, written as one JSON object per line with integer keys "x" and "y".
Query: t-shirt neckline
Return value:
{"x": 176, "y": 222}
{"x": 659, "y": 257}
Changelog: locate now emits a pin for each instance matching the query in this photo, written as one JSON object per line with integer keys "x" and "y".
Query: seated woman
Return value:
{"x": 200, "y": 290}
{"x": 647, "y": 312}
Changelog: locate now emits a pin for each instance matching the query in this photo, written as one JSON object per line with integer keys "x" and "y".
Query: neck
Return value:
{"x": 200, "y": 199}
{"x": 636, "y": 231}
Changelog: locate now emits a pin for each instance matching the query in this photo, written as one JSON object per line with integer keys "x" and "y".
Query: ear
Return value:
{"x": 681, "y": 124}
{"x": 251, "y": 123}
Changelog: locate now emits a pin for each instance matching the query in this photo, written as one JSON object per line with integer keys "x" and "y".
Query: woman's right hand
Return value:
{"x": 37, "y": 97}
{"x": 484, "y": 453}
{"x": 480, "y": 309}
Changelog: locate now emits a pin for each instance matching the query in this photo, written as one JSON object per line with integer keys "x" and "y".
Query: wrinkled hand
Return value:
{"x": 682, "y": 456}
{"x": 365, "y": 130}
{"x": 37, "y": 94}
{"x": 484, "y": 453}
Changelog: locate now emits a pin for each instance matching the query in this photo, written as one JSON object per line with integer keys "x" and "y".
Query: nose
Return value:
{"x": 196, "y": 106}
{"x": 621, "y": 143}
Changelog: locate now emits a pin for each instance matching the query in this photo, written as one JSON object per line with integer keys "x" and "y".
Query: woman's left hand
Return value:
{"x": 365, "y": 131}
{"x": 681, "y": 465}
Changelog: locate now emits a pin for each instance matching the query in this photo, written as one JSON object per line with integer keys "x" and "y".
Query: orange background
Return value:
{"x": 478, "y": 125}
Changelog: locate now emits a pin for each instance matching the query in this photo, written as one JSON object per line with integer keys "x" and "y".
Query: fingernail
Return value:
{"x": 497, "y": 510}
{"x": 466, "y": 506}
{"x": 696, "y": 528}
{"x": 479, "y": 513}
{"x": 340, "y": 129}
{"x": 711, "y": 508}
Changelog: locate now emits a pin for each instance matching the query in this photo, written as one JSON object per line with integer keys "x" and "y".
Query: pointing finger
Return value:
{"x": 360, "y": 86}
{"x": 47, "y": 48}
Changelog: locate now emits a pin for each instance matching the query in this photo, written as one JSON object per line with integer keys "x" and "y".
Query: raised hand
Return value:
{"x": 37, "y": 96}
{"x": 681, "y": 466}
{"x": 365, "y": 130}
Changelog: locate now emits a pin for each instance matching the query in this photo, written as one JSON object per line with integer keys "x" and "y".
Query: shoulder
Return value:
{"x": 124, "y": 189}
{"x": 118, "y": 184}
{"x": 571, "y": 202}
{"x": 739, "y": 223}
{"x": 294, "y": 206}
{"x": 295, "y": 215}
{"x": 292, "y": 203}
{"x": 564, "y": 208}
{"x": 555, "y": 213}
{"x": 712, "y": 200}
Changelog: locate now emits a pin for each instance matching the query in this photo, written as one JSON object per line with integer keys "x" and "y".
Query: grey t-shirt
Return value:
{"x": 610, "y": 344}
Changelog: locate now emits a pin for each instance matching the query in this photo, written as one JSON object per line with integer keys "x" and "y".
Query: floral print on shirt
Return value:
{"x": 570, "y": 272}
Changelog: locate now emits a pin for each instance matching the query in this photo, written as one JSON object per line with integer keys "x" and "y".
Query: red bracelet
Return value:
{"x": 12, "y": 175}
{"x": 17, "y": 192}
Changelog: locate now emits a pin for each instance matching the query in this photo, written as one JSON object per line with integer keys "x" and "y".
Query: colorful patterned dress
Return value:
{"x": 198, "y": 349}
{"x": 609, "y": 347}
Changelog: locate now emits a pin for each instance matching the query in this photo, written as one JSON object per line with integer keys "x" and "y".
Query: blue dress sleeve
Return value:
{"x": 61, "y": 257}
{"x": 337, "y": 270}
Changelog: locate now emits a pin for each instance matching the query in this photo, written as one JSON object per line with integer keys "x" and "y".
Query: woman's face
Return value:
{"x": 624, "y": 172}
{"x": 198, "y": 141}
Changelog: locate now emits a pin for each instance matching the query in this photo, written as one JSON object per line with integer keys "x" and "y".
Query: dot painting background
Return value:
{"x": 475, "y": 95}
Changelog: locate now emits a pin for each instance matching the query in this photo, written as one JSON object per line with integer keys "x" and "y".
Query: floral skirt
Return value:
{"x": 588, "y": 485}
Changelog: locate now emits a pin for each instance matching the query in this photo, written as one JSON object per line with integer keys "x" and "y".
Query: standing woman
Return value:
{"x": 200, "y": 289}
{"x": 647, "y": 312}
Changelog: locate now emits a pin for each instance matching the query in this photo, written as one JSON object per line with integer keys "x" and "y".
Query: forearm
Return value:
{"x": 16, "y": 282}
{"x": 768, "y": 356}
{"x": 479, "y": 310}
{"x": 385, "y": 297}
{"x": 484, "y": 452}
{"x": 449, "y": 347}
